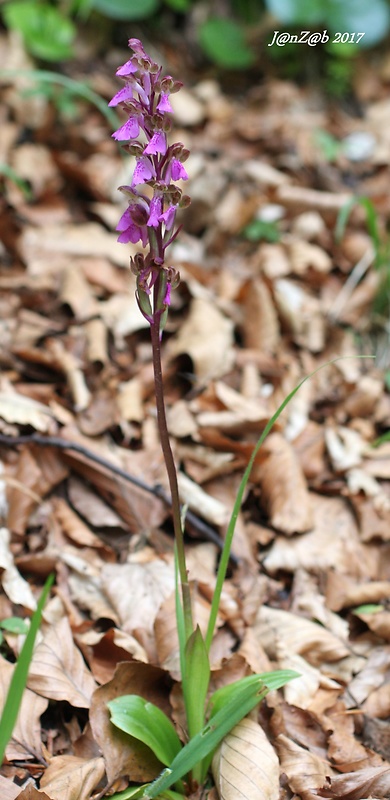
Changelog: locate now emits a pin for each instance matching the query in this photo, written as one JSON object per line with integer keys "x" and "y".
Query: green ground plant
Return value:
{"x": 153, "y": 200}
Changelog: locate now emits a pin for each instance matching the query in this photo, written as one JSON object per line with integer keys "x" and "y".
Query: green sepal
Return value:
{"x": 144, "y": 303}
{"x": 145, "y": 721}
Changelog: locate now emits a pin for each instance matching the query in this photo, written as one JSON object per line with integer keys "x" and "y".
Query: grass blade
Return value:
{"x": 19, "y": 677}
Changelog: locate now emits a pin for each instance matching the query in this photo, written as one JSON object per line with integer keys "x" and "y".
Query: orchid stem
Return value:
{"x": 172, "y": 475}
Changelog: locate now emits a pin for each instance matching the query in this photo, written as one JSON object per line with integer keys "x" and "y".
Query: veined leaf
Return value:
{"x": 145, "y": 721}
{"x": 244, "y": 699}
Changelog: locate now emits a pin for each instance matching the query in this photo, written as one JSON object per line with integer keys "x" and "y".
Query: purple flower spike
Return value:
{"x": 164, "y": 106}
{"x": 157, "y": 144}
{"x": 151, "y": 213}
{"x": 129, "y": 130}
{"x": 168, "y": 217}
{"x": 178, "y": 171}
{"x": 127, "y": 69}
{"x": 143, "y": 171}
{"x": 124, "y": 94}
{"x": 155, "y": 212}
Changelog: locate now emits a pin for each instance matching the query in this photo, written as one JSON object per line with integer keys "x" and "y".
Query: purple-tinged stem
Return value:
{"x": 171, "y": 468}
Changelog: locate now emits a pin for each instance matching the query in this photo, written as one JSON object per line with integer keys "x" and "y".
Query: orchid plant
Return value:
{"x": 150, "y": 218}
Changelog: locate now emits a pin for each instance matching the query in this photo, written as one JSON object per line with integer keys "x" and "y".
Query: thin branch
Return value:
{"x": 55, "y": 441}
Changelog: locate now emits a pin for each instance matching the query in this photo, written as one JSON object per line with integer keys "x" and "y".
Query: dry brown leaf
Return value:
{"x": 260, "y": 321}
{"x": 285, "y": 495}
{"x": 31, "y": 793}
{"x": 58, "y": 670}
{"x": 126, "y": 755}
{"x": 136, "y": 591}
{"x": 345, "y": 751}
{"x": 369, "y": 782}
{"x": 26, "y": 742}
{"x": 305, "y": 256}
{"x": 204, "y": 325}
{"x": 300, "y": 725}
{"x": 334, "y": 540}
{"x": 378, "y": 702}
{"x": 245, "y": 766}
{"x": 15, "y": 587}
{"x": 275, "y": 628}
{"x": 9, "y": 790}
{"x": 305, "y": 771}
{"x": 371, "y": 676}
{"x": 72, "y": 778}
{"x": 23, "y": 410}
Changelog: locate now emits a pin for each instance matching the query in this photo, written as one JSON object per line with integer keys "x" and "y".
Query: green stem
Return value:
{"x": 171, "y": 470}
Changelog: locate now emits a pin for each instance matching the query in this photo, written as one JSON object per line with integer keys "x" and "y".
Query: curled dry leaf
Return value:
{"x": 136, "y": 591}
{"x": 260, "y": 321}
{"x": 245, "y": 766}
{"x": 15, "y": 587}
{"x": 16, "y": 408}
{"x": 369, "y": 782}
{"x": 57, "y": 669}
{"x": 275, "y": 627}
{"x": 345, "y": 751}
{"x": 72, "y": 778}
{"x": 284, "y": 490}
{"x": 305, "y": 771}
{"x": 334, "y": 540}
{"x": 205, "y": 324}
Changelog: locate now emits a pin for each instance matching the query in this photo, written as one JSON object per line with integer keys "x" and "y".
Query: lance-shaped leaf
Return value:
{"x": 242, "y": 701}
{"x": 197, "y": 677}
{"x": 270, "y": 680}
{"x": 146, "y": 722}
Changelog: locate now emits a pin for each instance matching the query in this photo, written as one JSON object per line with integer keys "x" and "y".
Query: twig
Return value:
{"x": 55, "y": 441}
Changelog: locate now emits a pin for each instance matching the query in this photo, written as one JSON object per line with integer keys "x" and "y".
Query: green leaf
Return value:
{"x": 224, "y": 43}
{"x": 145, "y": 721}
{"x": 270, "y": 680}
{"x": 242, "y": 702}
{"x": 19, "y": 677}
{"x": 368, "y": 608}
{"x": 196, "y": 683}
{"x": 260, "y": 229}
{"x": 135, "y": 792}
{"x": 386, "y": 436}
{"x": 10, "y": 173}
{"x": 179, "y": 5}
{"x": 14, "y": 625}
{"x": 126, "y": 9}
{"x": 48, "y": 34}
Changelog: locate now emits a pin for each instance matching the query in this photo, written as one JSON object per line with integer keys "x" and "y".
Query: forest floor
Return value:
{"x": 268, "y": 294}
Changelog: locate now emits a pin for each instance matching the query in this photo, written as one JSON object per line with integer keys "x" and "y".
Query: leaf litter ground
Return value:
{"x": 83, "y": 487}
